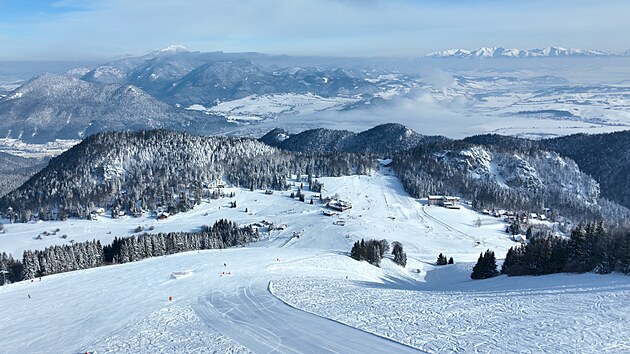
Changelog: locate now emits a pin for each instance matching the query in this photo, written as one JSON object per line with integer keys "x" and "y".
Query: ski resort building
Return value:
{"x": 449, "y": 202}
{"x": 339, "y": 205}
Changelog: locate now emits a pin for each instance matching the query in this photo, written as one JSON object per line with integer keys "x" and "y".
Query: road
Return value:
{"x": 256, "y": 319}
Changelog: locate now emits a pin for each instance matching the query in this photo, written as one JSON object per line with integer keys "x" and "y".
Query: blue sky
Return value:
{"x": 104, "y": 29}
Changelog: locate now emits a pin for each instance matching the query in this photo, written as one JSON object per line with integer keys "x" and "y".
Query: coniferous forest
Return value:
{"x": 590, "y": 248}
{"x": 90, "y": 254}
{"x": 142, "y": 171}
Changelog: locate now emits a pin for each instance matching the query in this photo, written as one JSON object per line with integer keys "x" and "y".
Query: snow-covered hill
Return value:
{"x": 227, "y": 300}
{"x": 51, "y": 107}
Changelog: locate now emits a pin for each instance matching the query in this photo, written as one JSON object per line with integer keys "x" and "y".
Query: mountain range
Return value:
{"x": 151, "y": 92}
{"x": 500, "y": 52}
{"x": 51, "y": 106}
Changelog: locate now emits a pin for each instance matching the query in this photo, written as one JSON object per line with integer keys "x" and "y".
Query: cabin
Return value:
{"x": 268, "y": 191}
{"x": 163, "y": 216}
{"x": 329, "y": 213}
{"x": 339, "y": 205}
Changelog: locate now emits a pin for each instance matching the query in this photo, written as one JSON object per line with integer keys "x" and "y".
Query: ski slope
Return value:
{"x": 290, "y": 294}
{"x": 257, "y": 319}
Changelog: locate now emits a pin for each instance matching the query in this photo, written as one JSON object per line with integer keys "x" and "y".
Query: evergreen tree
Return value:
{"x": 400, "y": 257}
{"x": 355, "y": 252}
{"x": 441, "y": 260}
{"x": 486, "y": 266}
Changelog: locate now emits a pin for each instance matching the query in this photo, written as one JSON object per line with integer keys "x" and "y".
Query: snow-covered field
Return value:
{"x": 259, "y": 107}
{"x": 225, "y": 301}
{"x": 19, "y": 148}
{"x": 535, "y": 100}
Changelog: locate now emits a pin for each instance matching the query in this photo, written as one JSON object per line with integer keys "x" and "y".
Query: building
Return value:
{"x": 444, "y": 200}
{"x": 339, "y": 205}
{"x": 434, "y": 200}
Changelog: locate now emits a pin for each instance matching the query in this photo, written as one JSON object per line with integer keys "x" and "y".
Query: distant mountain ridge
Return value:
{"x": 51, "y": 106}
{"x": 500, "y": 52}
{"x": 153, "y": 91}
{"x": 388, "y": 137}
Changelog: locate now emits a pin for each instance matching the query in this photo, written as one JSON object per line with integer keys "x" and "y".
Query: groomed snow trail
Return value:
{"x": 256, "y": 319}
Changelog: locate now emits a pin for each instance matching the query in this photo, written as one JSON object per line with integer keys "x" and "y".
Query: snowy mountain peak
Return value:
{"x": 175, "y": 48}
{"x": 500, "y": 52}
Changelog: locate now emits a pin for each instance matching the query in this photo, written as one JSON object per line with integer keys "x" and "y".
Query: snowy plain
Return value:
{"x": 531, "y": 98}
{"x": 228, "y": 302}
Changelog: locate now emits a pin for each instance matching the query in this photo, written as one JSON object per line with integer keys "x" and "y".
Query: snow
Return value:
{"x": 498, "y": 52}
{"x": 176, "y": 48}
{"x": 325, "y": 300}
{"x": 196, "y": 107}
{"x": 172, "y": 329}
{"x": 19, "y": 148}
{"x": 270, "y": 106}
{"x": 451, "y": 313}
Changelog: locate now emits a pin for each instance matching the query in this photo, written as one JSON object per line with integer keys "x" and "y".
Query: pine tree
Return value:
{"x": 510, "y": 260}
{"x": 400, "y": 257}
{"x": 441, "y": 260}
{"x": 477, "y": 270}
{"x": 486, "y": 266}
{"x": 355, "y": 252}
{"x": 451, "y": 261}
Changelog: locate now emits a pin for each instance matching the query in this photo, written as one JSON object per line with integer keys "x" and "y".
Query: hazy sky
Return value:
{"x": 103, "y": 29}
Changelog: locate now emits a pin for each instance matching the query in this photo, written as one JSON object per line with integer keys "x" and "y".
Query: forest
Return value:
{"x": 90, "y": 254}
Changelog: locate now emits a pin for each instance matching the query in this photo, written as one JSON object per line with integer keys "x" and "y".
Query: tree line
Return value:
{"x": 590, "y": 248}
{"x": 90, "y": 254}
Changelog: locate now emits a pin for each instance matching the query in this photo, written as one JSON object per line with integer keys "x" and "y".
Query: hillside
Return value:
{"x": 139, "y": 171}
{"x": 16, "y": 170}
{"x": 131, "y": 172}
{"x": 602, "y": 156}
{"x": 383, "y": 138}
{"x": 51, "y": 107}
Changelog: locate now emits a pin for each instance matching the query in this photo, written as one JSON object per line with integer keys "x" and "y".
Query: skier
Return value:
{"x": 29, "y": 296}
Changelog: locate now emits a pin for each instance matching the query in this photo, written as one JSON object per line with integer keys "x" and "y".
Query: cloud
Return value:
{"x": 420, "y": 111}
